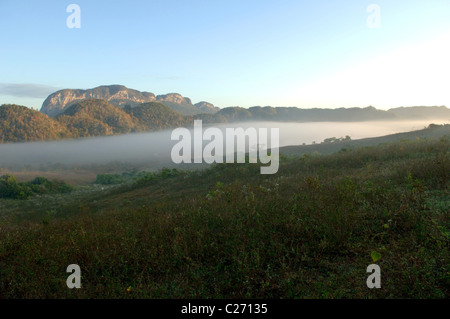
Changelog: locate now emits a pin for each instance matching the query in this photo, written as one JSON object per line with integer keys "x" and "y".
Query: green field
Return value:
{"x": 309, "y": 231}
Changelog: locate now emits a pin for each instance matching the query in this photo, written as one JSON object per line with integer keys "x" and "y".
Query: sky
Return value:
{"x": 322, "y": 53}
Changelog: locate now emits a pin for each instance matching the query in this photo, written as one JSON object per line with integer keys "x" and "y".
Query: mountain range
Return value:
{"x": 121, "y": 96}
{"x": 115, "y": 109}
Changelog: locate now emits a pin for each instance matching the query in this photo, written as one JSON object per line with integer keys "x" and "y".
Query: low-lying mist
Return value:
{"x": 154, "y": 149}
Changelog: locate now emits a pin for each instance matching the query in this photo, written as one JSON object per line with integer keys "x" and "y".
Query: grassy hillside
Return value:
{"x": 431, "y": 132}
{"x": 309, "y": 231}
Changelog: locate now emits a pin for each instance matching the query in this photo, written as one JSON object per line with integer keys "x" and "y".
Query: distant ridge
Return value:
{"x": 354, "y": 114}
{"x": 120, "y": 96}
{"x": 420, "y": 112}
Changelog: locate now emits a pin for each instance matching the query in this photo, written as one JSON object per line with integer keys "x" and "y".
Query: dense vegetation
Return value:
{"x": 156, "y": 116}
{"x": 96, "y": 118}
{"x": 22, "y": 124}
{"x": 309, "y": 231}
{"x": 11, "y": 188}
{"x": 109, "y": 179}
{"x": 90, "y": 117}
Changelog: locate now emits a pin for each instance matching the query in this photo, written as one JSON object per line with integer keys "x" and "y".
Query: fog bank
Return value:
{"x": 155, "y": 148}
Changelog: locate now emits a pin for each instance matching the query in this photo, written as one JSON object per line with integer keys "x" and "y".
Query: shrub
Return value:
{"x": 109, "y": 179}
{"x": 42, "y": 185}
{"x": 9, "y": 188}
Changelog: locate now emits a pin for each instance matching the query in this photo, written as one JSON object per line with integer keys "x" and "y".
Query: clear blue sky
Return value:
{"x": 247, "y": 52}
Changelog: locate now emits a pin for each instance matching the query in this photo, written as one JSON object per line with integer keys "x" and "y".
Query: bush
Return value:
{"x": 109, "y": 179}
{"x": 42, "y": 185}
{"x": 9, "y": 188}
{"x": 143, "y": 178}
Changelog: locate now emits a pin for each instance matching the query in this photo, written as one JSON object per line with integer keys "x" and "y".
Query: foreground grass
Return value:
{"x": 229, "y": 232}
